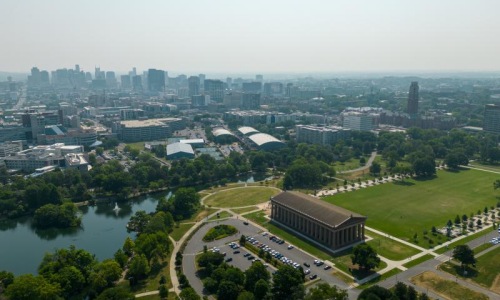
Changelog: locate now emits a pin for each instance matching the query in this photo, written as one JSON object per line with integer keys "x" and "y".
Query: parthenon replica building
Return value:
{"x": 325, "y": 223}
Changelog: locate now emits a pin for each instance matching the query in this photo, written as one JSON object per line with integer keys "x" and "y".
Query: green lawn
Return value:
{"x": 380, "y": 278}
{"x": 244, "y": 210}
{"x": 403, "y": 209}
{"x": 479, "y": 165}
{"x": 418, "y": 261}
{"x": 222, "y": 215}
{"x": 465, "y": 240}
{"x": 177, "y": 233}
{"x": 486, "y": 271}
{"x": 447, "y": 288}
{"x": 200, "y": 214}
{"x": 139, "y": 145}
{"x": 390, "y": 248}
{"x": 241, "y": 197}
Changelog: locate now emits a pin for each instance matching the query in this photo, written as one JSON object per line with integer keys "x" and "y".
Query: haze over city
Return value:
{"x": 249, "y": 37}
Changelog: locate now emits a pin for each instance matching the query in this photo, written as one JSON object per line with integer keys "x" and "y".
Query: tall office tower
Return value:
{"x": 156, "y": 80}
{"x": 137, "y": 83}
{"x": 252, "y": 87}
{"x": 273, "y": 89}
{"x": 77, "y": 68}
{"x": 34, "y": 78}
{"x": 125, "y": 81}
{"x": 412, "y": 108}
{"x": 202, "y": 80}
{"x": 250, "y": 100}
{"x": 98, "y": 74}
{"x": 193, "y": 85}
{"x": 259, "y": 78}
{"x": 229, "y": 82}
{"x": 491, "y": 118}
{"x": 44, "y": 78}
{"x": 88, "y": 76}
{"x": 215, "y": 89}
{"x": 110, "y": 79}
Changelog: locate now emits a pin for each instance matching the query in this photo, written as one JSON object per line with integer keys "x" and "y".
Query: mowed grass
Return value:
{"x": 403, "y": 209}
{"x": 418, "y": 261}
{"x": 244, "y": 196}
{"x": 244, "y": 210}
{"x": 178, "y": 232}
{"x": 390, "y": 248}
{"x": 486, "y": 273}
{"x": 446, "y": 288}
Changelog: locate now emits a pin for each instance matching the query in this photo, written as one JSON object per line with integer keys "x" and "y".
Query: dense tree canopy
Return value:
{"x": 365, "y": 256}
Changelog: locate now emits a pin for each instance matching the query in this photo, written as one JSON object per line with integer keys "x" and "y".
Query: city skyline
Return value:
{"x": 257, "y": 37}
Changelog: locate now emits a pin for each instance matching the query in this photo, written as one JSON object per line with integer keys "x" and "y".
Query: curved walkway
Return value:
{"x": 366, "y": 166}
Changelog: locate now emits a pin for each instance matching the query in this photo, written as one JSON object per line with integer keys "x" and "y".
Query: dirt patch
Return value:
{"x": 446, "y": 288}
{"x": 495, "y": 287}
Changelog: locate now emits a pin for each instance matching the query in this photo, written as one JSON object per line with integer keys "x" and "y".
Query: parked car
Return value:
{"x": 312, "y": 277}
{"x": 307, "y": 265}
{"x": 229, "y": 259}
{"x": 236, "y": 252}
{"x": 327, "y": 267}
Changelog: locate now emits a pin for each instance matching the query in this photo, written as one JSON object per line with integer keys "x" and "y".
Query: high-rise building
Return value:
{"x": 110, "y": 79}
{"x": 492, "y": 118}
{"x": 194, "y": 85}
{"x": 413, "y": 98}
{"x": 202, "y": 80}
{"x": 215, "y": 89}
{"x": 252, "y": 87}
{"x": 250, "y": 100}
{"x": 357, "y": 121}
{"x": 259, "y": 78}
{"x": 273, "y": 89}
{"x": 125, "y": 81}
{"x": 156, "y": 80}
{"x": 137, "y": 83}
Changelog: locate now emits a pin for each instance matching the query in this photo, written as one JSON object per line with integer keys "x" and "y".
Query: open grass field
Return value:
{"x": 403, "y": 209}
{"x": 244, "y": 209}
{"x": 479, "y": 165}
{"x": 486, "y": 273}
{"x": 418, "y": 261}
{"x": 446, "y": 288}
{"x": 178, "y": 232}
{"x": 241, "y": 196}
{"x": 222, "y": 215}
{"x": 390, "y": 248}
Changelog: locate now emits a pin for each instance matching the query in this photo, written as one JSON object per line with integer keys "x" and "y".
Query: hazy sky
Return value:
{"x": 258, "y": 36}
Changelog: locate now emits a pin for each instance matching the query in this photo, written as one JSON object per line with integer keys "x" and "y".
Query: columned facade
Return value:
{"x": 350, "y": 230}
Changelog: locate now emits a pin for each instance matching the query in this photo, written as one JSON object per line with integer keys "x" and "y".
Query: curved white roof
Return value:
{"x": 179, "y": 147}
{"x": 221, "y": 131}
{"x": 246, "y": 130}
{"x": 263, "y": 138}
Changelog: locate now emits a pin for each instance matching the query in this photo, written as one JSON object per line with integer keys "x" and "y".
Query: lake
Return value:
{"x": 102, "y": 232}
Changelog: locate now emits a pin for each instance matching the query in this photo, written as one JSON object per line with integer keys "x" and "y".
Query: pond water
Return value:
{"x": 102, "y": 232}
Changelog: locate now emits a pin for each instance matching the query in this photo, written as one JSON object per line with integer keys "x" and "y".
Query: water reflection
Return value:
{"x": 53, "y": 233}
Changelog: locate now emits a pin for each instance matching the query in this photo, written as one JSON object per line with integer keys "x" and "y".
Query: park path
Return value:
{"x": 366, "y": 166}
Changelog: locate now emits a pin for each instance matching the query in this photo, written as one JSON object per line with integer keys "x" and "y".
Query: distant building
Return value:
{"x": 252, "y": 87}
{"x": 200, "y": 100}
{"x": 325, "y": 223}
{"x": 58, "y": 155}
{"x": 266, "y": 142}
{"x": 126, "y": 82}
{"x": 321, "y": 135}
{"x": 147, "y": 130}
{"x": 215, "y": 89}
{"x": 357, "y": 121}
{"x": 193, "y": 86}
{"x": 137, "y": 83}
{"x": 131, "y": 114}
{"x": 195, "y": 143}
{"x": 273, "y": 89}
{"x": 413, "y": 98}
{"x": 156, "y": 80}
{"x": 179, "y": 150}
{"x": 10, "y": 148}
{"x": 259, "y": 78}
{"x": 250, "y": 100}
{"x": 492, "y": 118}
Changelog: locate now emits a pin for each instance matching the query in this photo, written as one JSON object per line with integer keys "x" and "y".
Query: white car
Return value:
{"x": 290, "y": 247}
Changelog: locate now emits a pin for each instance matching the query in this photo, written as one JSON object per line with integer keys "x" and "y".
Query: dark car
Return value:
{"x": 327, "y": 267}
{"x": 236, "y": 252}
{"x": 307, "y": 265}
{"x": 245, "y": 223}
{"x": 229, "y": 259}
{"x": 246, "y": 254}
{"x": 313, "y": 276}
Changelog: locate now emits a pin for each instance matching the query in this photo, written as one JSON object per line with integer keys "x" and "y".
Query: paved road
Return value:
{"x": 366, "y": 166}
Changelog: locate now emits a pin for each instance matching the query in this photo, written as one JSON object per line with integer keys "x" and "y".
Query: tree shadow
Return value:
{"x": 456, "y": 170}
{"x": 425, "y": 178}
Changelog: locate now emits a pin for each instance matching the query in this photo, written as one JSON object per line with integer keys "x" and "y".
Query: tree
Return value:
{"x": 163, "y": 290}
{"x": 326, "y": 291}
{"x": 121, "y": 258}
{"x": 375, "y": 168}
{"x": 375, "y": 292}
{"x": 455, "y": 158}
{"x": 255, "y": 273}
{"x": 116, "y": 293}
{"x": 365, "y": 256}
{"x": 228, "y": 290}
{"x": 186, "y": 202}
{"x": 261, "y": 289}
{"x": 246, "y": 295}
{"x": 457, "y": 220}
{"x": 400, "y": 290}
{"x": 464, "y": 255}
{"x": 105, "y": 274}
{"x": 139, "y": 268}
{"x": 189, "y": 294}
{"x": 496, "y": 184}
{"x": 128, "y": 246}
{"x": 286, "y": 277}
{"x": 6, "y": 278}
{"x": 28, "y": 287}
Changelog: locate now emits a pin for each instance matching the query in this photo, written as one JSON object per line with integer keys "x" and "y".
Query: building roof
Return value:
{"x": 192, "y": 141}
{"x": 148, "y": 123}
{"x": 263, "y": 138}
{"x": 246, "y": 130}
{"x": 221, "y": 131}
{"x": 317, "y": 209}
{"x": 179, "y": 147}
